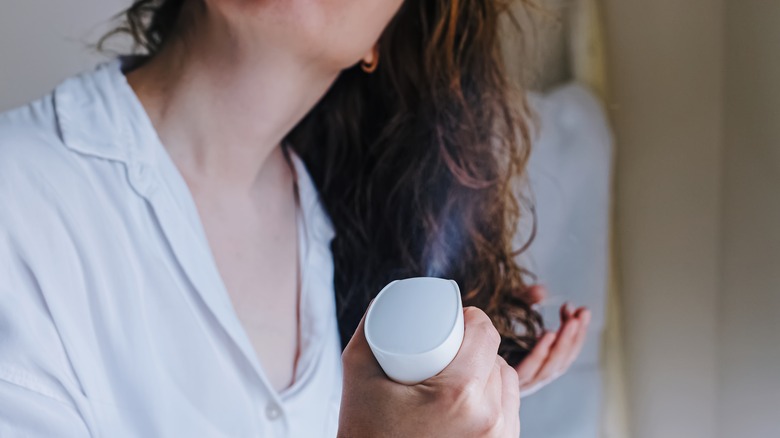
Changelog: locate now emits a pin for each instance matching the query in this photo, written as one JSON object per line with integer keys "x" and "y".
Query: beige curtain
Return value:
{"x": 588, "y": 65}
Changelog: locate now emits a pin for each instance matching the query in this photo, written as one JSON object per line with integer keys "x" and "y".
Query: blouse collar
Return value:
{"x": 100, "y": 115}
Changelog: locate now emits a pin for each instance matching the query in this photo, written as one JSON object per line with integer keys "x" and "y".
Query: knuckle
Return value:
{"x": 489, "y": 334}
{"x": 348, "y": 359}
{"x": 489, "y": 423}
{"x": 473, "y": 314}
{"x": 484, "y": 326}
{"x": 511, "y": 377}
{"x": 464, "y": 392}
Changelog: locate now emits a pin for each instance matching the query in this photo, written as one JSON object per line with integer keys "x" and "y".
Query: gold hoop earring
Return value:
{"x": 371, "y": 67}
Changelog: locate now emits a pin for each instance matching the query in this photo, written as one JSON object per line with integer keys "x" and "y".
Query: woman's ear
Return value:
{"x": 370, "y": 60}
{"x": 371, "y": 56}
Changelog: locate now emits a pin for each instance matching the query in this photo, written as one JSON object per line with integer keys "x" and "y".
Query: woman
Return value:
{"x": 190, "y": 237}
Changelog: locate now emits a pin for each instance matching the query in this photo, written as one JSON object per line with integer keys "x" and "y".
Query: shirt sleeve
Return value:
{"x": 27, "y": 413}
{"x": 39, "y": 393}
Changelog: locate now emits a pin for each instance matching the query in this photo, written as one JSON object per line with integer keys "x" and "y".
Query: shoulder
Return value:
{"x": 34, "y": 159}
{"x": 30, "y": 145}
{"x": 42, "y": 182}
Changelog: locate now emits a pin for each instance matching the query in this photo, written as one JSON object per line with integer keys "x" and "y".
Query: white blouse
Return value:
{"x": 114, "y": 320}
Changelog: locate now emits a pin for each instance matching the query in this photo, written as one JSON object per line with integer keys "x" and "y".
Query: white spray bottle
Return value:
{"x": 415, "y": 327}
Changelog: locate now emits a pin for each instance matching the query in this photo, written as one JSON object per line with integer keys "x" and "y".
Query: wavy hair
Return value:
{"x": 415, "y": 163}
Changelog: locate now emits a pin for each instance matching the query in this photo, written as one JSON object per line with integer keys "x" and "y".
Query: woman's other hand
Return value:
{"x": 556, "y": 351}
{"x": 477, "y": 395}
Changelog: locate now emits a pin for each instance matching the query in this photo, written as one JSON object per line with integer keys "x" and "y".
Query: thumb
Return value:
{"x": 357, "y": 358}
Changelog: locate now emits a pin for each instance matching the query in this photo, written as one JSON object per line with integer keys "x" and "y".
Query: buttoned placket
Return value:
{"x": 154, "y": 177}
{"x": 147, "y": 162}
{"x": 200, "y": 268}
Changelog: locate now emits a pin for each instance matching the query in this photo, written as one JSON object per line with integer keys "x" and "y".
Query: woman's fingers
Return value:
{"x": 510, "y": 398}
{"x": 560, "y": 351}
{"x": 555, "y": 352}
{"x": 583, "y": 315}
{"x": 493, "y": 387}
{"x": 502, "y": 400}
{"x": 475, "y": 359}
{"x": 529, "y": 367}
{"x": 566, "y": 313}
{"x": 357, "y": 356}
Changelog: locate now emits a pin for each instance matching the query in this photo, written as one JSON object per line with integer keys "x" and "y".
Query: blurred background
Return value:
{"x": 655, "y": 173}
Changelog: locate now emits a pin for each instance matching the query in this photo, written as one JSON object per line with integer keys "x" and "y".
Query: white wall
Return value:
{"x": 749, "y": 356}
{"x": 667, "y": 105}
{"x": 44, "y": 41}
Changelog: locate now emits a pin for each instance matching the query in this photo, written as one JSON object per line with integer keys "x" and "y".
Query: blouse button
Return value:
{"x": 273, "y": 411}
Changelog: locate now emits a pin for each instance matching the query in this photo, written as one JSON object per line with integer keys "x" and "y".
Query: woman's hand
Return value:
{"x": 477, "y": 395}
{"x": 555, "y": 351}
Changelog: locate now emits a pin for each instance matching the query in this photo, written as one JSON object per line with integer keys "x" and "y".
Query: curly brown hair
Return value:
{"x": 416, "y": 162}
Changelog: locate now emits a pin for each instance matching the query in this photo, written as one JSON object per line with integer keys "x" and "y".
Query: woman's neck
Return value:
{"x": 222, "y": 103}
